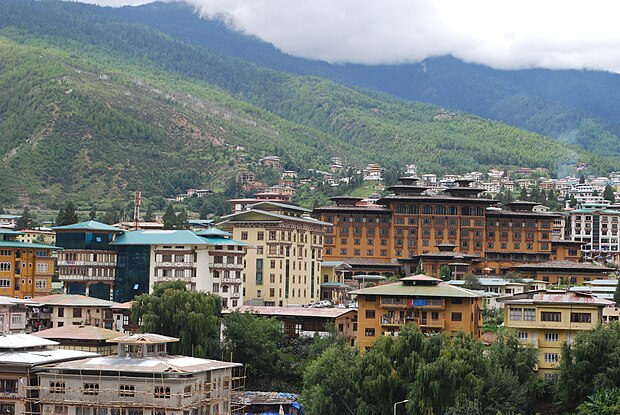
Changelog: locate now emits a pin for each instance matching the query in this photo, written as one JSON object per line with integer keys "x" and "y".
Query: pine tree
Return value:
{"x": 150, "y": 214}
{"x": 67, "y": 216}
{"x": 608, "y": 193}
{"x": 92, "y": 214}
{"x": 182, "y": 221}
{"x": 170, "y": 217}
{"x": 25, "y": 221}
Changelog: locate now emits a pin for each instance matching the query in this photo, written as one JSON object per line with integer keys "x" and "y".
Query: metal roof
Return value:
{"x": 143, "y": 338}
{"x": 400, "y": 289}
{"x": 306, "y": 219}
{"x": 26, "y": 245}
{"x": 213, "y": 232}
{"x": 72, "y": 300}
{"x": 292, "y": 311}
{"x": 222, "y": 241}
{"x": 91, "y": 225}
{"x": 77, "y": 333}
{"x": 334, "y": 284}
{"x": 4, "y": 231}
{"x": 23, "y": 341}
{"x": 555, "y": 297}
{"x": 159, "y": 237}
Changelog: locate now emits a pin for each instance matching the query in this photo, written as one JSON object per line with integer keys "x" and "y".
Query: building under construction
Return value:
{"x": 142, "y": 379}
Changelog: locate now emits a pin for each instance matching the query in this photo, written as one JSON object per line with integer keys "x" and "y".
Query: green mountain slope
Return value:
{"x": 96, "y": 108}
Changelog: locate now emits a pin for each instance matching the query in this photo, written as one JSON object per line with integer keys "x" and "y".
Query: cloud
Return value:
{"x": 505, "y": 34}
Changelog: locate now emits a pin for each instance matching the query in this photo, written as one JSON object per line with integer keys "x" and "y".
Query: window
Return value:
{"x": 127, "y": 390}
{"x": 260, "y": 236}
{"x": 5, "y": 266}
{"x": 259, "y": 271}
{"x": 8, "y": 386}
{"x": 40, "y": 284}
{"x": 457, "y": 316}
{"x": 61, "y": 312}
{"x": 581, "y": 318}
{"x": 529, "y": 314}
{"x": 9, "y": 408}
{"x": 552, "y": 337}
{"x": 516, "y": 314}
{"x": 5, "y": 283}
{"x": 57, "y": 387}
{"x": 457, "y": 301}
{"x": 244, "y": 236}
{"x": 91, "y": 389}
{"x": 369, "y": 332}
{"x": 187, "y": 392}
{"x": 16, "y": 319}
{"x": 162, "y": 392}
{"x": 77, "y": 312}
{"x": 370, "y": 313}
{"x": 550, "y": 316}
{"x": 552, "y": 357}
{"x": 522, "y": 335}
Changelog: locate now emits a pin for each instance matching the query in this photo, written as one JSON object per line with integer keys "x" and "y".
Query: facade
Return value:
{"x": 87, "y": 263}
{"x": 45, "y": 236}
{"x": 304, "y": 321}
{"x": 427, "y": 302}
{"x": 13, "y": 315}
{"x": 333, "y": 286}
{"x": 149, "y": 257}
{"x": 62, "y": 310}
{"x": 26, "y": 269}
{"x": 283, "y": 265}
{"x": 562, "y": 272}
{"x": 21, "y": 357}
{"x": 546, "y": 320}
{"x": 597, "y": 228}
{"x": 411, "y": 223}
{"x": 498, "y": 287}
{"x": 141, "y": 379}
{"x": 226, "y": 265}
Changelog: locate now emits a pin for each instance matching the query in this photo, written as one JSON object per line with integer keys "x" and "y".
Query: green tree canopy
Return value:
{"x": 174, "y": 311}
{"x": 67, "y": 215}
{"x": 608, "y": 193}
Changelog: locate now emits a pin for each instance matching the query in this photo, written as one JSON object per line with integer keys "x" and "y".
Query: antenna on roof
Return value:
{"x": 136, "y": 209}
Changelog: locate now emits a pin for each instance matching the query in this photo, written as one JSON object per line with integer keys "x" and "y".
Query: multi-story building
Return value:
{"x": 410, "y": 223}
{"x": 283, "y": 265}
{"x": 141, "y": 379}
{"x": 85, "y": 338}
{"x": 427, "y": 302}
{"x": 39, "y": 235}
{"x": 597, "y": 228}
{"x": 87, "y": 263}
{"x": 562, "y": 272}
{"x": 148, "y": 257}
{"x": 226, "y": 265}
{"x": 61, "y": 310}
{"x": 21, "y": 357}
{"x": 26, "y": 269}
{"x": 546, "y": 320}
{"x": 13, "y": 315}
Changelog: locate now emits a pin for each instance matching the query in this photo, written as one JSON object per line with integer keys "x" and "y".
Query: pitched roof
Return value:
{"x": 26, "y": 245}
{"x": 72, "y": 300}
{"x": 400, "y": 289}
{"x": 421, "y": 277}
{"x": 213, "y": 232}
{"x": 564, "y": 264}
{"x": 277, "y": 216}
{"x": 291, "y": 311}
{"x": 23, "y": 341}
{"x": 4, "y": 231}
{"x": 555, "y": 297}
{"x": 91, "y": 225}
{"x": 77, "y": 333}
{"x": 143, "y": 338}
{"x": 159, "y": 237}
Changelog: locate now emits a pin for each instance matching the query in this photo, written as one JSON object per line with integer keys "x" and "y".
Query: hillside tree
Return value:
{"x": 67, "y": 215}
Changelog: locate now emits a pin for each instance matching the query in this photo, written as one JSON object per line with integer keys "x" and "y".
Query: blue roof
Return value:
{"x": 213, "y": 232}
{"x": 91, "y": 225}
{"x": 25, "y": 245}
{"x": 160, "y": 237}
{"x": 9, "y": 232}
{"x": 222, "y": 241}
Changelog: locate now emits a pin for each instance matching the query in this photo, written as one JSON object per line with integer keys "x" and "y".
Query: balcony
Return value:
{"x": 429, "y": 304}
{"x": 529, "y": 342}
{"x": 87, "y": 263}
{"x": 393, "y": 303}
{"x": 186, "y": 264}
{"x": 430, "y": 323}
{"x": 231, "y": 280}
{"x": 235, "y": 295}
{"x": 392, "y": 321}
{"x": 217, "y": 265}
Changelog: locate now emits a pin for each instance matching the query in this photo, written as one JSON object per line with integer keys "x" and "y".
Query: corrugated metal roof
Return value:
{"x": 292, "y": 311}
{"x": 23, "y": 341}
{"x": 213, "y": 232}
{"x": 74, "y": 300}
{"x": 306, "y": 219}
{"x": 222, "y": 241}
{"x": 4, "y": 231}
{"x": 26, "y": 245}
{"x": 159, "y": 237}
{"x": 399, "y": 289}
{"x": 91, "y": 225}
{"x": 554, "y": 297}
{"x": 77, "y": 333}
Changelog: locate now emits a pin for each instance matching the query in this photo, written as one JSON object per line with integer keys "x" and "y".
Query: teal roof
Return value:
{"x": 16, "y": 244}
{"x": 9, "y": 232}
{"x": 334, "y": 284}
{"x": 10, "y": 216}
{"x": 213, "y": 232}
{"x": 335, "y": 264}
{"x": 159, "y": 237}
{"x": 400, "y": 289}
{"x": 91, "y": 225}
{"x": 222, "y": 241}
{"x": 203, "y": 222}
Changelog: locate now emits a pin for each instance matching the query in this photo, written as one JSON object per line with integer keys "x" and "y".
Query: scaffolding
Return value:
{"x": 60, "y": 393}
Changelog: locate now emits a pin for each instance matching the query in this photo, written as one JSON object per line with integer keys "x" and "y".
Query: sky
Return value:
{"x": 503, "y": 34}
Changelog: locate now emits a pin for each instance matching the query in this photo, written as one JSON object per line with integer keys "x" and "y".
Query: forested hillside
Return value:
{"x": 578, "y": 107}
{"x": 95, "y": 107}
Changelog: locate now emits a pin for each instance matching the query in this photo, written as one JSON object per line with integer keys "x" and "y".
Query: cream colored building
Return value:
{"x": 283, "y": 265}
{"x": 61, "y": 310}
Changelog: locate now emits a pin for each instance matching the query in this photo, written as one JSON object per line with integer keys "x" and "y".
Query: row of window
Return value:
{"x": 529, "y": 314}
{"x": 38, "y": 283}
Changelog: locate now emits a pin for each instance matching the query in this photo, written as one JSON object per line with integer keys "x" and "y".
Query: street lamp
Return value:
{"x": 398, "y": 403}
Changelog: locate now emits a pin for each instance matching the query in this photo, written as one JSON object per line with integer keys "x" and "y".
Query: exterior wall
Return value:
{"x": 25, "y": 272}
{"x": 290, "y": 255}
{"x": 597, "y": 230}
{"x": 86, "y": 268}
{"x": 565, "y": 277}
{"x": 15, "y": 396}
{"x": 180, "y": 262}
{"x": 541, "y": 334}
{"x": 565, "y": 252}
{"x": 227, "y": 270}
{"x": 12, "y": 319}
{"x": 32, "y": 236}
{"x": 379, "y": 315}
{"x": 62, "y": 316}
{"x": 207, "y": 391}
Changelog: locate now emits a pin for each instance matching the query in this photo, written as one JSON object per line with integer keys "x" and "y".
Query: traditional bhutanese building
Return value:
{"x": 546, "y": 320}
{"x": 283, "y": 267}
{"x": 87, "y": 263}
{"x": 563, "y": 272}
{"x": 26, "y": 269}
{"x": 405, "y": 228}
{"x": 427, "y": 302}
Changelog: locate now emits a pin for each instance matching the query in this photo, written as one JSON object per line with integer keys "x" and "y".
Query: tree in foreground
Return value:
{"x": 192, "y": 316}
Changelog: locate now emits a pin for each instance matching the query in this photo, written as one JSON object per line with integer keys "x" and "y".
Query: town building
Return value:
{"x": 333, "y": 286}
{"x": 499, "y": 286}
{"x": 148, "y": 257}
{"x": 259, "y": 403}
{"x": 546, "y": 320}
{"x": 562, "y": 272}
{"x": 226, "y": 265}
{"x": 22, "y": 356}
{"x": 8, "y": 221}
{"x": 85, "y": 338}
{"x": 596, "y": 228}
{"x": 283, "y": 265}
{"x": 306, "y": 321}
{"x": 141, "y": 379}
{"x": 26, "y": 269}
{"x": 62, "y": 310}
{"x": 13, "y": 315}
{"x": 40, "y": 235}
{"x": 427, "y": 302}
{"x": 87, "y": 262}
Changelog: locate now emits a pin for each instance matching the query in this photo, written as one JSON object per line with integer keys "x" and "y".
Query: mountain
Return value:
{"x": 578, "y": 107}
{"x": 95, "y": 107}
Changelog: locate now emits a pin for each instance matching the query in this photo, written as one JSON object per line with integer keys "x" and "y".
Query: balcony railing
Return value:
{"x": 529, "y": 341}
{"x": 231, "y": 280}
{"x": 393, "y": 302}
{"x": 87, "y": 263}
{"x": 225, "y": 266}
{"x": 432, "y": 323}
{"x": 392, "y": 321}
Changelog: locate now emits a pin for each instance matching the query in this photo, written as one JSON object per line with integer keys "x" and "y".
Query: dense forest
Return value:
{"x": 97, "y": 107}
